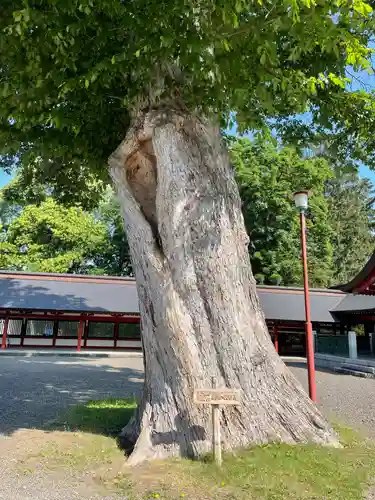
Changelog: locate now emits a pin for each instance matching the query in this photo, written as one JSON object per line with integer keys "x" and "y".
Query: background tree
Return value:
{"x": 267, "y": 176}
{"x": 78, "y": 77}
{"x": 8, "y": 211}
{"x": 22, "y": 191}
{"x": 110, "y": 256}
{"x": 52, "y": 238}
{"x": 340, "y": 220}
{"x": 114, "y": 258}
{"x": 8, "y": 253}
{"x": 351, "y": 212}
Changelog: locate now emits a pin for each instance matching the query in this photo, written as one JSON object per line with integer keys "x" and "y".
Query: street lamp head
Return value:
{"x": 301, "y": 199}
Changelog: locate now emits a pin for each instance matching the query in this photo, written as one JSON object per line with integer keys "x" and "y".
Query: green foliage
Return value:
{"x": 51, "y": 238}
{"x": 340, "y": 222}
{"x": 114, "y": 259}
{"x": 9, "y": 257}
{"x": 268, "y": 177}
{"x": 23, "y": 191}
{"x": 73, "y": 72}
{"x": 8, "y": 252}
{"x": 8, "y": 211}
{"x": 350, "y": 201}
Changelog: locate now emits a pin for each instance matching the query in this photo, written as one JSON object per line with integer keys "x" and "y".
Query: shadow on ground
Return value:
{"x": 35, "y": 392}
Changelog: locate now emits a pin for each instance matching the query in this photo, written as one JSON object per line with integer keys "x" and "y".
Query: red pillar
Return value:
{"x": 309, "y": 332}
{"x": 5, "y": 333}
{"x": 85, "y": 332}
{"x": 80, "y": 333}
{"x": 276, "y": 338}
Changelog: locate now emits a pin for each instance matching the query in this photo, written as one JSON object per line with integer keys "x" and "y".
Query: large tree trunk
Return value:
{"x": 199, "y": 307}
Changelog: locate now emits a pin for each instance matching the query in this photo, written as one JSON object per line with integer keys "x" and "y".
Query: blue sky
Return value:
{"x": 366, "y": 172}
{"x": 4, "y": 178}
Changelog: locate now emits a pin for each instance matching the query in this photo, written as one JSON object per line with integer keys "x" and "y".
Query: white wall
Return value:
{"x": 99, "y": 343}
{"x": 129, "y": 343}
{"x": 13, "y": 341}
{"x": 66, "y": 342}
{"x": 38, "y": 341}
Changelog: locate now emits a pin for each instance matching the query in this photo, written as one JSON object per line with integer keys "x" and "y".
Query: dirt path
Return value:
{"x": 34, "y": 465}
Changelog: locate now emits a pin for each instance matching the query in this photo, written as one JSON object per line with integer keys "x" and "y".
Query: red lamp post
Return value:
{"x": 301, "y": 201}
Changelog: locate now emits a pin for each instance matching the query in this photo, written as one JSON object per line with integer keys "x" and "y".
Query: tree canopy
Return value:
{"x": 74, "y": 72}
{"x": 51, "y": 238}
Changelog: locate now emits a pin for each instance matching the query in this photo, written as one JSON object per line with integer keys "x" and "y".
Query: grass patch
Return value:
{"x": 272, "y": 472}
{"x": 105, "y": 417}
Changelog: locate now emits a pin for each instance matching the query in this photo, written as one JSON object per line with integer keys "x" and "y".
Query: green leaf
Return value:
{"x": 337, "y": 80}
{"x": 362, "y": 8}
{"x": 226, "y": 45}
{"x": 267, "y": 174}
{"x": 238, "y": 5}
{"x": 17, "y": 15}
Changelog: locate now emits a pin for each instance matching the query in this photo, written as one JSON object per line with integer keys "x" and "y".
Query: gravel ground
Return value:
{"x": 343, "y": 398}
{"x": 34, "y": 390}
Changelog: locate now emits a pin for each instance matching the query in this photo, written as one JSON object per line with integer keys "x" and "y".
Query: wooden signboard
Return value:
{"x": 215, "y": 398}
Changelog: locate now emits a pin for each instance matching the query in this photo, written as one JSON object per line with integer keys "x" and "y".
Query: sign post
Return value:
{"x": 215, "y": 398}
{"x": 216, "y": 434}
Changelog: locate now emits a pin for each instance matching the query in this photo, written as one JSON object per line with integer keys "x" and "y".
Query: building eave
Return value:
{"x": 362, "y": 281}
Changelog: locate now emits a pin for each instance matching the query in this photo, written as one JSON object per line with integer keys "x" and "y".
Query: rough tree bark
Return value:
{"x": 199, "y": 307}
